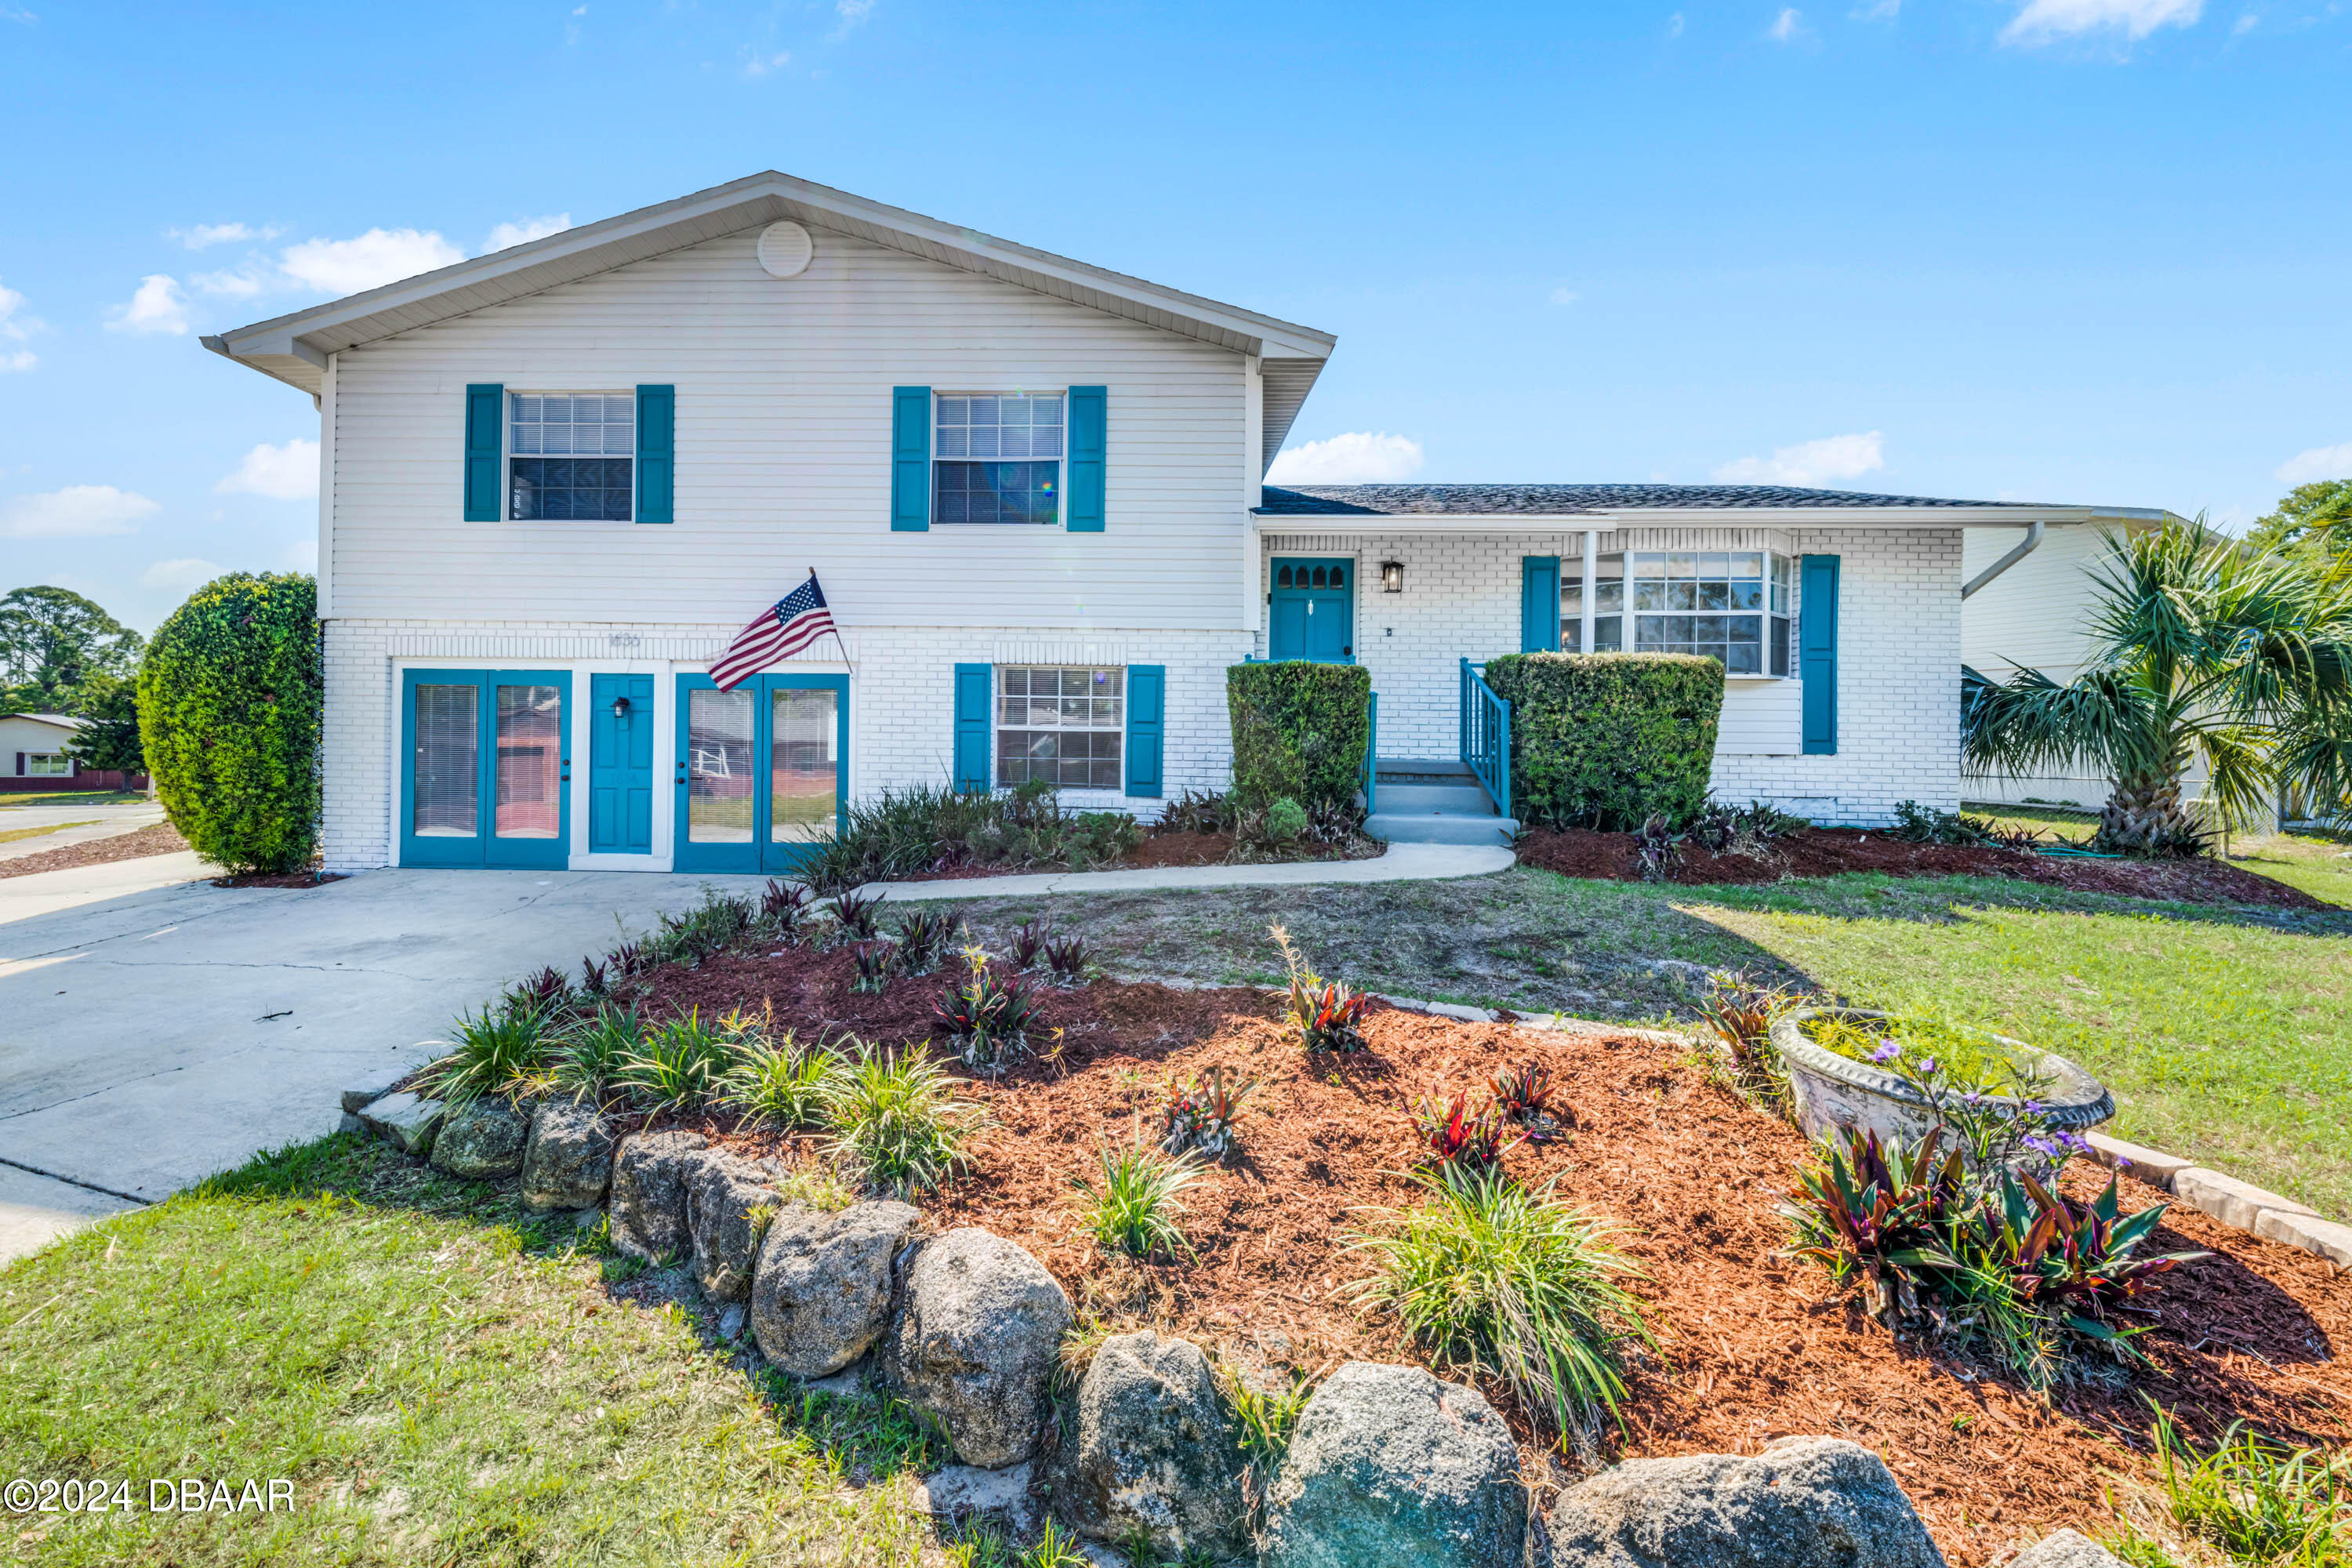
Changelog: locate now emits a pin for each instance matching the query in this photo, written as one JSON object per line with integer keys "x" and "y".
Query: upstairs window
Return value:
{"x": 572, "y": 455}
{"x": 997, "y": 457}
{"x": 1731, "y": 606}
{"x": 1059, "y": 724}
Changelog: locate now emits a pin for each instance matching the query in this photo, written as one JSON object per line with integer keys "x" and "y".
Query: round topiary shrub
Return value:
{"x": 228, "y": 718}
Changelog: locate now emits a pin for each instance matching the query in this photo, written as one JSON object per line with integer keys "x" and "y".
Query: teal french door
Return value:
{"x": 620, "y": 765}
{"x": 486, "y": 767}
{"x": 1311, "y": 611}
{"x": 763, "y": 771}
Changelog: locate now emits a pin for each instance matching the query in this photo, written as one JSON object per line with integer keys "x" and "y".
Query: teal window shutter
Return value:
{"x": 910, "y": 465}
{"x": 1089, "y": 432}
{"x": 1147, "y": 708}
{"x": 486, "y": 412}
{"x": 1817, "y": 648}
{"x": 1539, "y": 604}
{"x": 656, "y": 452}
{"x": 975, "y": 688}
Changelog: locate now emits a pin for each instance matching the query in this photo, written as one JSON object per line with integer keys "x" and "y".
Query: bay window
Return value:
{"x": 1729, "y": 605}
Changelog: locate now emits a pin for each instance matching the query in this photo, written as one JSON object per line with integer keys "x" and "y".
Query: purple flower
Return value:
{"x": 1972, "y": 1097}
{"x": 2076, "y": 1142}
{"x": 2042, "y": 1145}
{"x": 1886, "y": 1052}
{"x": 1928, "y": 1067}
{"x": 2032, "y": 1108}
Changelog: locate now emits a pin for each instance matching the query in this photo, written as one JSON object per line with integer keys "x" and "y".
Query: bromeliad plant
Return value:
{"x": 1199, "y": 1116}
{"x": 923, "y": 939}
{"x": 856, "y": 919}
{"x": 1456, "y": 1136}
{"x": 876, "y": 963}
{"x": 1523, "y": 1094}
{"x": 1067, "y": 958}
{"x": 783, "y": 906}
{"x": 1741, "y": 1010}
{"x": 1025, "y": 948}
{"x": 1323, "y": 1015}
{"x": 986, "y": 1016}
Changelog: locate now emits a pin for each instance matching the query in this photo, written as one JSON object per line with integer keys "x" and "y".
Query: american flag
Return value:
{"x": 780, "y": 631}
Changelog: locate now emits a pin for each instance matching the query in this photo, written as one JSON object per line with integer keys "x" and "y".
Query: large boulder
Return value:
{"x": 730, "y": 1204}
{"x": 1804, "y": 1503}
{"x": 568, "y": 1163}
{"x": 1391, "y": 1467}
{"x": 650, "y": 1174}
{"x": 821, "y": 1297}
{"x": 2067, "y": 1549}
{"x": 974, "y": 1342}
{"x": 1157, "y": 1452}
{"x": 482, "y": 1140}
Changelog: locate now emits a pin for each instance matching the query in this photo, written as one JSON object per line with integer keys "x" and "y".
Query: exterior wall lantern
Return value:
{"x": 1391, "y": 576}
{"x": 621, "y": 708}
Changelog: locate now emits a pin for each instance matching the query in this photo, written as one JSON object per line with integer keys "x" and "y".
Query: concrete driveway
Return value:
{"x": 151, "y": 1035}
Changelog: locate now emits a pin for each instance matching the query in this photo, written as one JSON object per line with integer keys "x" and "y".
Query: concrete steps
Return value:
{"x": 1436, "y": 801}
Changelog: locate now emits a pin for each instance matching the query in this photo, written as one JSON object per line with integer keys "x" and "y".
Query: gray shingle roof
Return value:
{"x": 1398, "y": 500}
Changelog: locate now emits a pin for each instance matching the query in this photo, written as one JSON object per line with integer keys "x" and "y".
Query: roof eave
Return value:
{"x": 1606, "y": 518}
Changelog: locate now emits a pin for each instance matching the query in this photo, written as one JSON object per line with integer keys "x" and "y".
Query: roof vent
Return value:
{"x": 785, "y": 250}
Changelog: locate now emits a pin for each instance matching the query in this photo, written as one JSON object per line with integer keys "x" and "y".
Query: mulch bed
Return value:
{"x": 1829, "y": 851}
{"x": 163, "y": 838}
{"x": 1753, "y": 1346}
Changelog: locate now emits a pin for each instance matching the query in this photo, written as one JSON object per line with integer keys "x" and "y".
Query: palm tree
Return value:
{"x": 2201, "y": 650}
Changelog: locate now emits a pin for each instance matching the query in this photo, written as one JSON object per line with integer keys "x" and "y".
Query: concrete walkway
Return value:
{"x": 1402, "y": 863}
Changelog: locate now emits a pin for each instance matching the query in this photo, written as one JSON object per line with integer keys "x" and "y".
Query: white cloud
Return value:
{"x": 209, "y": 234}
{"x": 2245, "y": 24}
{"x": 18, "y": 359}
{"x": 183, "y": 575}
{"x": 1825, "y": 461}
{"x": 282, "y": 473}
{"x": 1877, "y": 11}
{"x": 508, "y": 235}
{"x": 1786, "y": 28}
{"x": 1564, "y": 295}
{"x": 2043, "y": 20}
{"x": 18, "y": 14}
{"x": 76, "y": 512}
{"x": 370, "y": 260}
{"x": 15, "y": 328}
{"x": 758, "y": 64}
{"x": 243, "y": 281}
{"x": 2319, "y": 463}
{"x": 854, "y": 11}
{"x": 1357, "y": 457}
{"x": 159, "y": 306}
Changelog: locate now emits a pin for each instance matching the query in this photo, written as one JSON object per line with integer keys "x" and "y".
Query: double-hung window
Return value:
{"x": 997, "y": 457}
{"x": 1732, "y": 605}
{"x": 1060, "y": 724}
{"x": 571, "y": 456}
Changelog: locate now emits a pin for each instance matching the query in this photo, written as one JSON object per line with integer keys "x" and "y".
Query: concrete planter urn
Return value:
{"x": 1831, "y": 1092}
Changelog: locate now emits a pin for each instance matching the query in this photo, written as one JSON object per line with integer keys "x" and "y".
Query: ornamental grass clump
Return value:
{"x": 896, "y": 1120}
{"x": 678, "y": 1064}
{"x": 2257, "y": 1500}
{"x": 1502, "y": 1282}
{"x": 714, "y": 925}
{"x": 592, "y": 1049}
{"x": 1134, "y": 1207}
{"x": 496, "y": 1051}
{"x": 781, "y": 1084}
{"x": 1321, "y": 1015}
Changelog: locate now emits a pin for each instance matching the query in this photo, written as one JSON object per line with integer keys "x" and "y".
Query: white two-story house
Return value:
{"x": 558, "y": 479}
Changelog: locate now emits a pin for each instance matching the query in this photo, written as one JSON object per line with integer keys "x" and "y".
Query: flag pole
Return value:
{"x": 834, "y": 629}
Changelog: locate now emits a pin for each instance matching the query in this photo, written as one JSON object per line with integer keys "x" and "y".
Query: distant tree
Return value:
{"x": 110, "y": 739}
{"x": 2310, "y": 519}
{"x": 52, "y": 641}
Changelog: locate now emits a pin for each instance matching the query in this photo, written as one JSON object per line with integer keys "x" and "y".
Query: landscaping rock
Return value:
{"x": 2153, "y": 1167}
{"x": 2067, "y": 1550}
{"x": 2227, "y": 1199}
{"x": 406, "y": 1121}
{"x": 1804, "y": 1503}
{"x": 482, "y": 1140}
{"x": 2309, "y": 1232}
{"x": 370, "y": 1087}
{"x": 648, "y": 1208}
{"x": 973, "y": 1342}
{"x": 569, "y": 1162}
{"x": 1158, "y": 1451}
{"x": 821, "y": 1297}
{"x": 961, "y": 1492}
{"x": 730, "y": 1204}
{"x": 1390, "y": 1467}
{"x": 730, "y": 1322}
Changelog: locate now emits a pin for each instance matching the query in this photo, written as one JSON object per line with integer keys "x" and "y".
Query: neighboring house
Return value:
{"x": 33, "y": 751}
{"x": 557, "y": 480}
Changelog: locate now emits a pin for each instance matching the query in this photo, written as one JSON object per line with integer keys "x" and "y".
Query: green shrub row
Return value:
{"x": 1605, "y": 740}
{"x": 1300, "y": 731}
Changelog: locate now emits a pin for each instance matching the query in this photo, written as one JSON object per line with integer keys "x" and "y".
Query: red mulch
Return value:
{"x": 160, "y": 838}
{"x": 1753, "y": 1346}
{"x": 1830, "y": 851}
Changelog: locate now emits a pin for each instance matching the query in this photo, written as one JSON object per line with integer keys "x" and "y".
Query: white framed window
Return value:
{"x": 997, "y": 456}
{"x": 1730, "y": 604}
{"x": 47, "y": 766}
{"x": 572, "y": 455}
{"x": 1063, "y": 725}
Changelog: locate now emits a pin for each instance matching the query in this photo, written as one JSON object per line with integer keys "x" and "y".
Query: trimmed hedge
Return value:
{"x": 228, "y": 717}
{"x": 1300, "y": 731}
{"x": 1602, "y": 740}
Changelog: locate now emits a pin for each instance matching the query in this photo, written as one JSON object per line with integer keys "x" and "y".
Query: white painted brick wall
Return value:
{"x": 901, "y": 699}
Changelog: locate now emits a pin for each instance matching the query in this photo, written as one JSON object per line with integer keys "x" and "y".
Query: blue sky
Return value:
{"x": 2070, "y": 250}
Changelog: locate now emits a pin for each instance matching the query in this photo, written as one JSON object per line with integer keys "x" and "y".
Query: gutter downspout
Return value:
{"x": 2033, "y": 531}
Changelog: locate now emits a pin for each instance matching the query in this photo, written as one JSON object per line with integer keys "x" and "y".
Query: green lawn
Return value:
{"x": 73, "y": 797}
{"x": 2225, "y": 1034}
{"x": 12, "y": 834}
{"x": 441, "y": 1381}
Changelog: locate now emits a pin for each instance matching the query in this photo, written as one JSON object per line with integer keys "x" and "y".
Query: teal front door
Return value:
{"x": 1312, "y": 612}
{"x": 763, "y": 771}
{"x": 621, "y": 764}
{"x": 488, "y": 767}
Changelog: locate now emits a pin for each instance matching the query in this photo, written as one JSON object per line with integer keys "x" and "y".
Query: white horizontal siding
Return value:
{"x": 783, "y": 452}
{"x": 2034, "y": 613}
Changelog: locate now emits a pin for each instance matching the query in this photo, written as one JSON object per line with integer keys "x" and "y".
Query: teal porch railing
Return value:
{"x": 1486, "y": 736}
